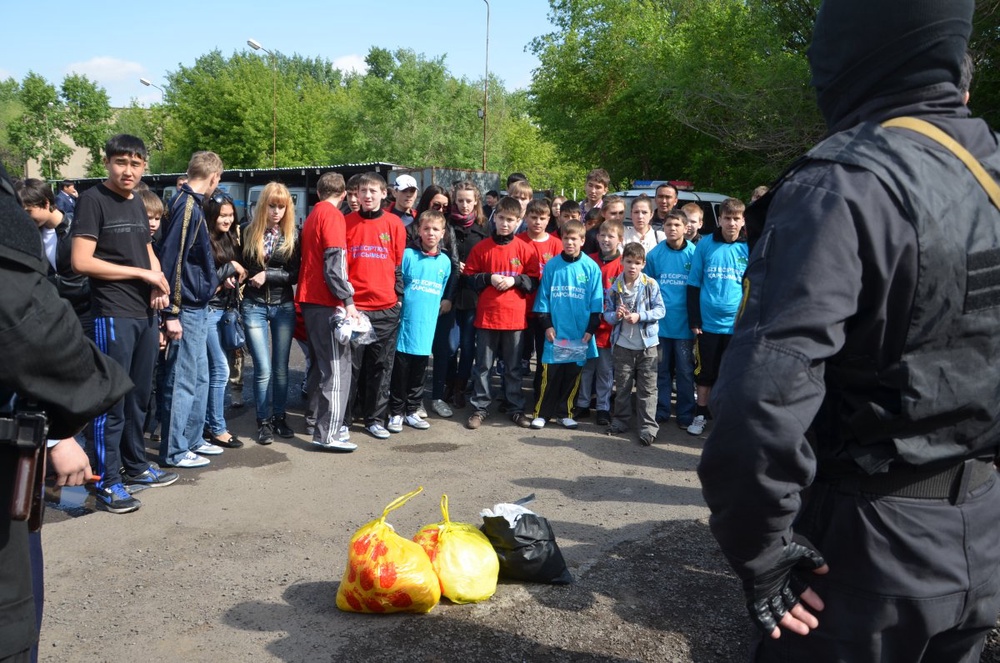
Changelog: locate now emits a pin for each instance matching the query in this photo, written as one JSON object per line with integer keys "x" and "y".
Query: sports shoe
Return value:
{"x": 395, "y": 424}
{"x": 647, "y": 439}
{"x": 538, "y": 422}
{"x": 265, "y": 434}
{"x": 208, "y": 449}
{"x": 115, "y": 499}
{"x": 569, "y": 422}
{"x": 603, "y": 418}
{"x": 191, "y": 459}
{"x": 697, "y": 426}
{"x": 421, "y": 412}
{"x": 475, "y": 421}
{"x": 521, "y": 419}
{"x": 582, "y": 412}
{"x": 441, "y": 408}
{"x": 342, "y": 446}
{"x": 378, "y": 431}
{"x": 616, "y": 430}
{"x": 415, "y": 421}
{"x": 153, "y": 477}
{"x": 280, "y": 427}
{"x": 343, "y": 434}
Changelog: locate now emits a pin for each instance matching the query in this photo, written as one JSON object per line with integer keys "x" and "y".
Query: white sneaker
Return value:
{"x": 337, "y": 445}
{"x": 209, "y": 449}
{"x": 343, "y": 434}
{"x": 190, "y": 459}
{"x": 395, "y": 424}
{"x": 421, "y": 412}
{"x": 569, "y": 422}
{"x": 414, "y": 421}
{"x": 441, "y": 408}
{"x": 538, "y": 422}
{"x": 697, "y": 426}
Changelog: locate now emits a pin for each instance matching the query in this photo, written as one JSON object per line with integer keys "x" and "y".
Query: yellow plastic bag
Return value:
{"x": 463, "y": 558}
{"x": 387, "y": 573}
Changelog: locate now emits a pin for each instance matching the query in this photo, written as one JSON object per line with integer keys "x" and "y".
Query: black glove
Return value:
{"x": 776, "y": 591}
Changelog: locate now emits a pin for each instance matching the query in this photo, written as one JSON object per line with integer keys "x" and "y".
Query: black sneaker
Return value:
{"x": 582, "y": 413}
{"x": 153, "y": 477}
{"x": 280, "y": 427}
{"x": 265, "y": 434}
{"x": 603, "y": 418}
{"x": 115, "y": 499}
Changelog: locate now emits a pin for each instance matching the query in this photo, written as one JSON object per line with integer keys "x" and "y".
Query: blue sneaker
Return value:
{"x": 153, "y": 477}
{"x": 115, "y": 499}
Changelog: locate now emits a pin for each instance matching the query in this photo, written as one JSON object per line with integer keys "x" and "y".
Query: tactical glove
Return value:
{"x": 776, "y": 591}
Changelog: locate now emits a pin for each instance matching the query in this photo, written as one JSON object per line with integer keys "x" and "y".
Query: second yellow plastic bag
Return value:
{"x": 463, "y": 558}
{"x": 387, "y": 573}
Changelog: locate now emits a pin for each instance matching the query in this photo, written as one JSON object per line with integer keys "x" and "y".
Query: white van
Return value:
{"x": 299, "y": 202}
{"x": 709, "y": 202}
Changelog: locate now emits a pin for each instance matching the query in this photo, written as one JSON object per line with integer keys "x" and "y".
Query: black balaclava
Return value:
{"x": 863, "y": 49}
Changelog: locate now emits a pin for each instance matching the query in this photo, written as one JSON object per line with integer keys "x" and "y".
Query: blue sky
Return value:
{"x": 147, "y": 40}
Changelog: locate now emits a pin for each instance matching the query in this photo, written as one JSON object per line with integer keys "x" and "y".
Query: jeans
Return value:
{"x": 676, "y": 355}
{"x": 638, "y": 368}
{"x": 444, "y": 351}
{"x": 185, "y": 394}
{"x": 269, "y": 330}
{"x": 507, "y": 344}
{"x": 218, "y": 375}
{"x": 602, "y": 370}
{"x": 461, "y": 367}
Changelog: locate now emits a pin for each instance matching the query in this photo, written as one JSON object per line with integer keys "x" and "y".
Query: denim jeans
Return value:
{"x": 443, "y": 349}
{"x": 269, "y": 330}
{"x": 676, "y": 355}
{"x": 600, "y": 369}
{"x": 185, "y": 394}
{"x": 218, "y": 375}
{"x": 461, "y": 366}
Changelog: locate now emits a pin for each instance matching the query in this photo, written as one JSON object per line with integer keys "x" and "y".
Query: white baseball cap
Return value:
{"x": 404, "y": 182}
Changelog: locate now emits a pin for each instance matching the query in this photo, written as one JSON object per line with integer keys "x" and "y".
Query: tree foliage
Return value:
{"x": 86, "y": 117}
{"x": 34, "y": 134}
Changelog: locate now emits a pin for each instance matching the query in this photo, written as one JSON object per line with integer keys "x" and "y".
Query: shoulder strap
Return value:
{"x": 935, "y": 134}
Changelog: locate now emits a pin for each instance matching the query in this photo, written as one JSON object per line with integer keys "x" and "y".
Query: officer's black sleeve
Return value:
{"x": 46, "y": 356}
{"x": 805, "y": 280}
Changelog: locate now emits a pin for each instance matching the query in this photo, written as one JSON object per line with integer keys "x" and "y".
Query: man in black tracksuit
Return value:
{"x": 857, "y": 412}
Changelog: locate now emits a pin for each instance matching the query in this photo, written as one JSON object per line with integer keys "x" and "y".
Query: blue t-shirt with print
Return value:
{"x": 670, "y": 267}
{"x": 424, "y": 277}
{"x": 569, "y": 293}
{"x": 717, "y": 268}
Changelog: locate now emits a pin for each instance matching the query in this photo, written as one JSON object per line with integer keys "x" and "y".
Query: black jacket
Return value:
{"x": 282, "y": 274}
{"x": 466, "y": 238}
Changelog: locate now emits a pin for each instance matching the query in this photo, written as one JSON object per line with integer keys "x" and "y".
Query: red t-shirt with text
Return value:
{"x": 505, "y": 310}
{"x": 374, "y": 249}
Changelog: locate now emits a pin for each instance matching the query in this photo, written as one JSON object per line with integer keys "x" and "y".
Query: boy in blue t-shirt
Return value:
{"x": 569, "y": 305}
{"x": 669, "y": 263}
{"x": 715, "y": 290}
{"x": 425, "y": 272}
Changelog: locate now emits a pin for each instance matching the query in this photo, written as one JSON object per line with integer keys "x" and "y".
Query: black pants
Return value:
{"x": 116, "y": 439}
{"x": 407, "y": 385}
{"x": 374, "y": 361}
{"x": 558, "y": 389}
{"x": 910, "y": 579}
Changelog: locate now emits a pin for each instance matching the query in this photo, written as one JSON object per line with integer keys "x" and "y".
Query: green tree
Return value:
{"x": 35, "y": 133}
{"x": 147, "y": 124}
{"x": 86, "y": 118}
{"x": 10, "y": 110}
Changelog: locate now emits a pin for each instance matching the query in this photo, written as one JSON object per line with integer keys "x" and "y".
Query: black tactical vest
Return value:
{"x": 941, "y": 400}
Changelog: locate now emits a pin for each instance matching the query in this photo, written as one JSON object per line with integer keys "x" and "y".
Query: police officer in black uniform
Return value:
{"x": 45, "y": 360}
{"x": 857, "y": 413}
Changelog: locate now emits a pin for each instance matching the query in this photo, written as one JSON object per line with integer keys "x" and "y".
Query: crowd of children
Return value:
{"x": 379, "y": 288}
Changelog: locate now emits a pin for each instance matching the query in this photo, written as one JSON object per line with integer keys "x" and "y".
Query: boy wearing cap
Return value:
{"x": 406, "y": 191}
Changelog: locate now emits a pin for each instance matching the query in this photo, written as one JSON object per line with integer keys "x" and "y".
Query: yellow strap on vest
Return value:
{"x": 935, "y": 134}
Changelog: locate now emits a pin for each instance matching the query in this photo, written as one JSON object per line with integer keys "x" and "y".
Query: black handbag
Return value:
{"x": 232, "y": 335}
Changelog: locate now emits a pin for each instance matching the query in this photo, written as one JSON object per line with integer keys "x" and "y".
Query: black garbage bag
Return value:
{"x": 528, "y": 550}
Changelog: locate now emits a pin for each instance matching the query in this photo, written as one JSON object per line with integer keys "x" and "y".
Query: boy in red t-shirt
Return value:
{"x": 323, "y": 286}
{"x": 503, "y": 270}
{"x": 546, "y": 247}
{"x": 376, "y": 240}
{"x": 602, "y": 369}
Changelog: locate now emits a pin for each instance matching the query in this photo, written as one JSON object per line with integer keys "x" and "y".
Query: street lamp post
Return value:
{"x": 486, "y": 81}
{"x": 149, "y": 83}
{"x": 255, "y": 45}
